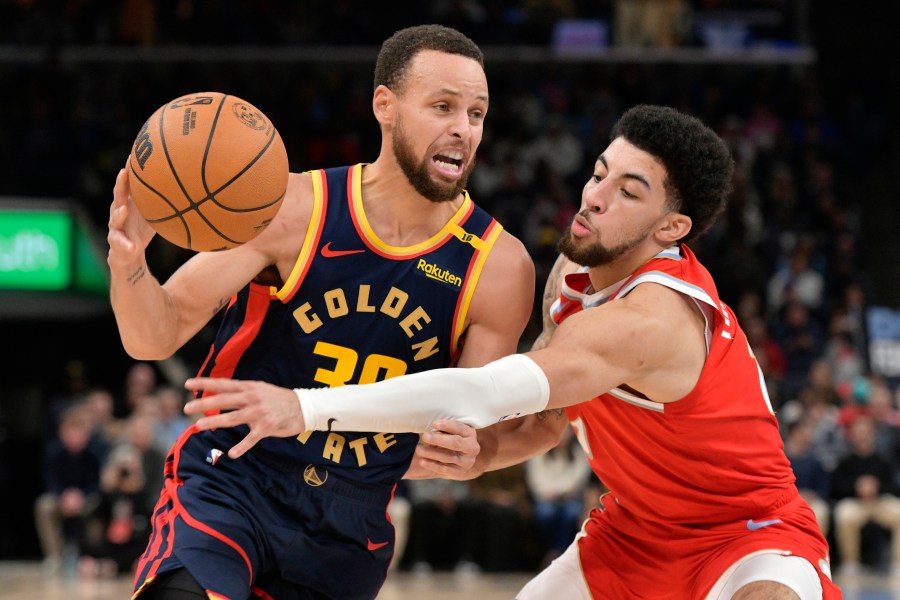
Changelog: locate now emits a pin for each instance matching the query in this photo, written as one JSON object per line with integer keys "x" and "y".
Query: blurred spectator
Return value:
{"x": 829, "y": 441}
{"x": 854, "y": 401}
{"x": 796, "y": 281}
{"x": 813, "y": 480}
{"x": 499, "y": 539}
{"x": 106, "y": 429}
{"x": 74, "y": 385}
{"x": 71, "y": 482}
{"x": 863, "y": 486}
{"x": 557, "y": 481}
{"x": 439, "y": 525}
{"x": 557, "y": 147}
{"x": 770, "y": 356}
{"x": 130, "y": 480}
{"x": 140, "y": 381}
{"x": 171, "y": 420}
{"x": 887, "y": 422}
{"x": 840, "y": 353}
{"x": 801, "y": 337}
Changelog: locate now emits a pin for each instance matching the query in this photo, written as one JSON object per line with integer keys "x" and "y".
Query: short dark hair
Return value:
{"x": 698, "y": 163}
{"x": 398, "y": 51}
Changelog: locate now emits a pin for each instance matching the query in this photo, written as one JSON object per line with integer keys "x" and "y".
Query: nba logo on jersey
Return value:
{"x": 213, "y": 456}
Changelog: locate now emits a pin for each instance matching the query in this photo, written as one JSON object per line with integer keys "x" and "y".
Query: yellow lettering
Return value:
{"x": 308, "y": 323}
{"x": 394, "y": 303}
{"x": 426, "y": 348}
{"x": 376, "y": 363}
{"x": 345, "y": 363}
{"x": 384, "y": 440}
{"x": 414, "y": 319}
{"x": 357, "y": 446}
{"x": 336, "y": 303}
{"x": 362, "y": 302}
{"x": 304, "y": 437}
{"x": 334, "y": 446}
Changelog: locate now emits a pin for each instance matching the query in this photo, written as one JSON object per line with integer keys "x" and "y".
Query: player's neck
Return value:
{"x": 604, "y": 276}
{"x": 398, "y": 214}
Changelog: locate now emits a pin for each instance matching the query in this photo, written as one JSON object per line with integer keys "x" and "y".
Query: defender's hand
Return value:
{"x": 269, "y": 410}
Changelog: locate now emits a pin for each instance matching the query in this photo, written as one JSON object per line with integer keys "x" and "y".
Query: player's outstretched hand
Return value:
{"x": 448, "y": 450}
{"x": 269, "y": 410}
{"x": 129, "y": 233}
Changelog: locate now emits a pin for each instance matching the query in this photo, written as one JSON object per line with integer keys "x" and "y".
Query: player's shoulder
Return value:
{"x": 510, "y": 254}
{"x": 291, "y": 222}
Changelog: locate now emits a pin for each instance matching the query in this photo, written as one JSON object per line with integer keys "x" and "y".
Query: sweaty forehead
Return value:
{"x": 431, "y": 70}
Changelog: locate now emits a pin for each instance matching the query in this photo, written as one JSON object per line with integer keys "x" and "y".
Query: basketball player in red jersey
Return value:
{"x": 367, "y": 271}
{"x": 655, "y": 376}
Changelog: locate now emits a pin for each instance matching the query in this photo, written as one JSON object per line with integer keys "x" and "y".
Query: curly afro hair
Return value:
{"x": 698, "y": 164}
{"x": 398, "y": 51}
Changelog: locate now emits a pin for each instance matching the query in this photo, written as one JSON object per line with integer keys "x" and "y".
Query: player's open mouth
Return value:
{"x": 449, "y": 162}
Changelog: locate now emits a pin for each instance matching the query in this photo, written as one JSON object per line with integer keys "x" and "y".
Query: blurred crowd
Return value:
{"x": 657, "y": 23}
{"x": 787, "y": 253}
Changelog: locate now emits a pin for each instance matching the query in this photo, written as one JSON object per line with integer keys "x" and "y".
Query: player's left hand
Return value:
{"x": 448, "y": 450}
{"x": 269, "y": 410}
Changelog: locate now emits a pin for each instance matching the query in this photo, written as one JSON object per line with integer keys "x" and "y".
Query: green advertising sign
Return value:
{"x": 36, "y": 249}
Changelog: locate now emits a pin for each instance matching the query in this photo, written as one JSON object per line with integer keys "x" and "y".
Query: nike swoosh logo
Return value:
{"x": 754, "y": 525}
{"x": 373, "y": 546}
{"x": 327, "y": 252}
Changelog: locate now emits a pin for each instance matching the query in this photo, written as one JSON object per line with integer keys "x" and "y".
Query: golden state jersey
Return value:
{"x": 354, "y": 310}
{"x": 713, "y": 456}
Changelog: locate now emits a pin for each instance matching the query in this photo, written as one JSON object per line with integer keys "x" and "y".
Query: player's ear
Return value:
{"x": 383, "y": 104}
{"x": 674, "y": 226}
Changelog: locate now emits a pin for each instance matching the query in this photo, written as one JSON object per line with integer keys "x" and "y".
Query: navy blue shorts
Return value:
{"x": 242, "y": 527}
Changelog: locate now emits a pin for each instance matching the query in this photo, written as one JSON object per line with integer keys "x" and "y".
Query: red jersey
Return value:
{"x": 715, "y": 455}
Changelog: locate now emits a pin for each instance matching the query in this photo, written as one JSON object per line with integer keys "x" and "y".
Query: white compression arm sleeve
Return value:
{"x": 506, "y": 388}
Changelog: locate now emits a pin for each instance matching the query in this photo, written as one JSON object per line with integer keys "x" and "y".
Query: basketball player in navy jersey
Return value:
{"x": 651, "y": 370}
{"x": 368, "y": 272}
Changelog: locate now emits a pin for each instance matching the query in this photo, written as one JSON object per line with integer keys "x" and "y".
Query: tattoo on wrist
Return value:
{"x": 137, "y": 275}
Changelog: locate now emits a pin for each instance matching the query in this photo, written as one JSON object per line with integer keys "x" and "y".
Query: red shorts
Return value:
{"x": 626, "y": 557}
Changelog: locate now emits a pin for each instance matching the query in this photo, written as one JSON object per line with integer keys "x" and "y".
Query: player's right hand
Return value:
{"x": 129, "y": 233}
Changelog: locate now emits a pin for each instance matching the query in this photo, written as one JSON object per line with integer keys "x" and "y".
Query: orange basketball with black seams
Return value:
{"x": 208, "y": 171}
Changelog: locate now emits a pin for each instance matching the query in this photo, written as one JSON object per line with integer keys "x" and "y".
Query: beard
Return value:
{"x": 417, "y": 172}
{"x": 596, "y": 254}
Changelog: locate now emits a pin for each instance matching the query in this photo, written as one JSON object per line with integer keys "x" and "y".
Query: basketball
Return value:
{"x": 208, "y": 171}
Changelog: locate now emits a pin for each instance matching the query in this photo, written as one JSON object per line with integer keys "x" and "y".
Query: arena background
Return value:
{"x": 806, "y": 93}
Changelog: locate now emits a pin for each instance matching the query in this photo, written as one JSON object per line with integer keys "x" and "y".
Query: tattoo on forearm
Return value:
{"x": 137, "y": 275}
{"x": 551, "y": 291}
{"x": 559, "y": 413}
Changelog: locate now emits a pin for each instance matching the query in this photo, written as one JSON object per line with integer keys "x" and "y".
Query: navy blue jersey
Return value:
{"x": 354, "y": 310}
